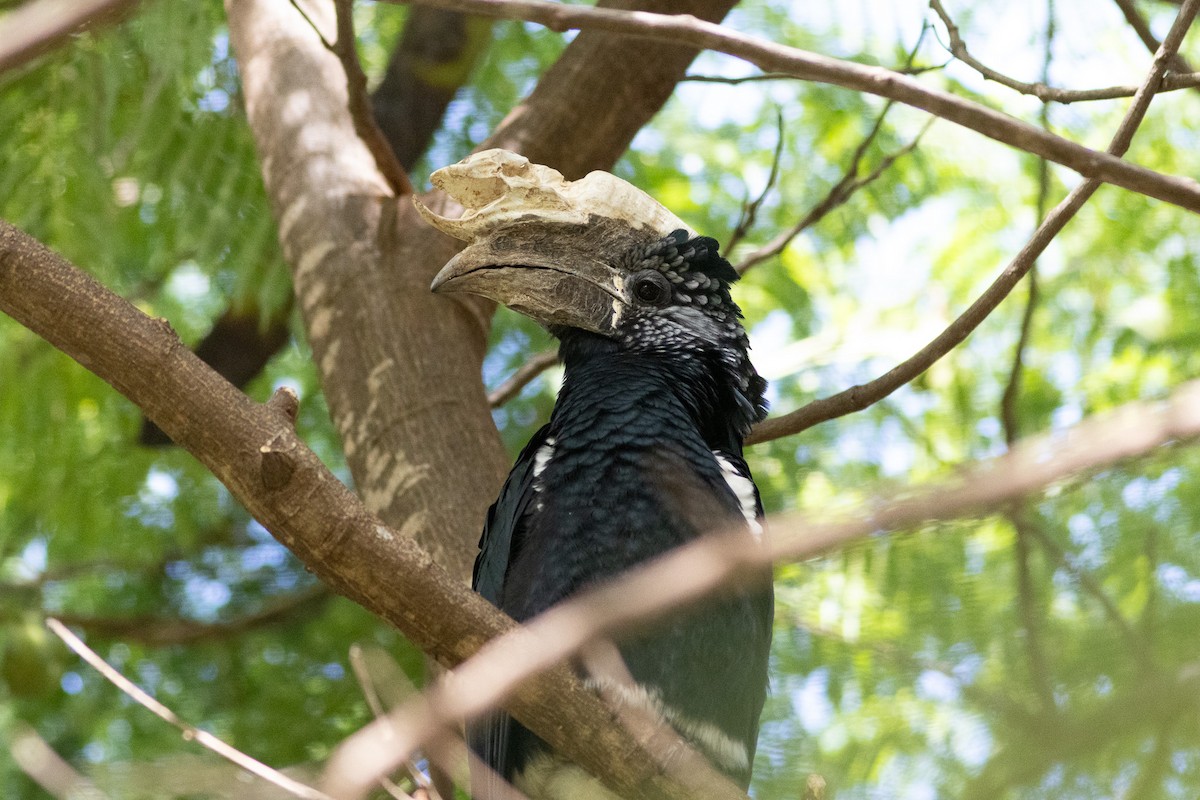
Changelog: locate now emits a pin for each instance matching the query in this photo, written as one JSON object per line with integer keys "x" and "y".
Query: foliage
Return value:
{"x": 1043, "y": 650}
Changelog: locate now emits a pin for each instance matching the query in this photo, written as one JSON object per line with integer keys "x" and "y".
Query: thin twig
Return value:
{"x": 721, "y": 559}
{"x": 190, "y": 732}
{"x": 536, "y": 365}
{"x": 845, "y": 188}
{"x": 1028, "y": 608}
{"x": 859, "y": 397}
{"x": 749, "y": 213}
{"x": 787, "y": 76}
{"x": 763, "y": 76}
{"x": 36, "y": 27}
{"x": 1142, "y": 28}
{"x": 838, "y": 194}
{"x": 1042, "y": 90}
{"x": 360, "y": 103}
{"x": 773, "y": 57}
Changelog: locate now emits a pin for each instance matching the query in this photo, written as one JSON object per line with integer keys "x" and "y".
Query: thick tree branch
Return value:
{"x": 859, "y": 397}
{"x": 773, "y": 57}
{"x": 253, "y": 449}
{"x": 255, "y": 452}
{"x": 399, "y": 367}
{"x": 41, "y": 25}
{"x": 433, "y": 59}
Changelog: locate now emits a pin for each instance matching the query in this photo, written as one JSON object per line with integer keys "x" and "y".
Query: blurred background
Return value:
{"x": 1048, "y": 650}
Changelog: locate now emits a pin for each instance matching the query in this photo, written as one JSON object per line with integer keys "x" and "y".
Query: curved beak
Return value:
{"x": 552, "y": 273}
{"x": 542, "y": 245}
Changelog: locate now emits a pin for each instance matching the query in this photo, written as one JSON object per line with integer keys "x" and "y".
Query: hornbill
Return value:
{"x": 642, "y": 453}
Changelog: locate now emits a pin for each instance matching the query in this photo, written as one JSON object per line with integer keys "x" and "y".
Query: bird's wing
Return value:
{"x": 731, "y": 634}
{"x": 491, "y": 736}
{"x": 505, "y": 523}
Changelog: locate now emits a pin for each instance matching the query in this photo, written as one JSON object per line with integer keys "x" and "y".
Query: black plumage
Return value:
{"x": 642, "y": 453}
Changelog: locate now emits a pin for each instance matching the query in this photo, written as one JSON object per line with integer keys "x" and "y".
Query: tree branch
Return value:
{"x": 404, "y": 391}
{"x": 772, "y": 57}
{"x": 1018, "y": 513}
{"x": 40, "y": 25}
{"x": 190, "y": 732}
{"x": 536, "y": 365}
{"x": 432, "y": 60}
{"x": 346, "y": 49}
{"x": 859, "y": 397}
{"x": 1042, "y": 90}
{"x": 1154, "y": 702}
{"x": 749, "y": 212}
{"x": 254, "y": 451}
{"x": 839, "y": 194}
{"x": 397, "y": 385}
{"x": 1142, "y": 28}
{"x": 600, "y": 93}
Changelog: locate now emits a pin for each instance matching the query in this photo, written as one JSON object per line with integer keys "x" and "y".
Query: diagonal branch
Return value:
{"x": 1142, "y": 28}
{"x": 859, "y": 397}
{"x": 253, "y": 449}
{"x": 190, "y": 732}
{"x": 53, "y": 773}
{"x": 749, "y": 213}
{"x": 838, "y": 194}
{"x": 510, "y": 388}
{"x": 772, "y": 57}
{"x": 346, "y": 48}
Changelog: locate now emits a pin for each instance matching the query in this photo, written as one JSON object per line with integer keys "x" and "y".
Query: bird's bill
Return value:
{"x": 574, "y": 292}
{"x": 540, "y": 244}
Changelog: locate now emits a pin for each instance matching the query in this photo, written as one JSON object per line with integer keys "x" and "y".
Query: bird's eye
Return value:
{"x": 651, "y": 288}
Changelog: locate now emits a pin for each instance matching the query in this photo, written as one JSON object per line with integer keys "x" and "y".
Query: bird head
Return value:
{"x": 598, "y": 255}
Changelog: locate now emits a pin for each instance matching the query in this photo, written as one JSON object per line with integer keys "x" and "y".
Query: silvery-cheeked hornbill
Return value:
{"x": 643, "y": 451}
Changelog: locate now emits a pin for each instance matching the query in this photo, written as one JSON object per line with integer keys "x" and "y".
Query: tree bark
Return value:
{"x": 400, "y": 369}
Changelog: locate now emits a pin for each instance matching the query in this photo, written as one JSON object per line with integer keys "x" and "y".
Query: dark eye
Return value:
{"x": 651, "y": 288}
